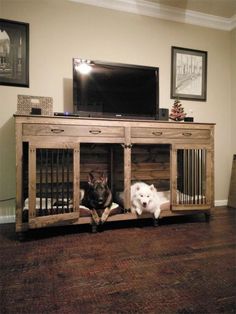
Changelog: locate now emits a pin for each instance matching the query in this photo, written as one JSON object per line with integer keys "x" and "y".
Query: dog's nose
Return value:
{"x": 144, "y": 204}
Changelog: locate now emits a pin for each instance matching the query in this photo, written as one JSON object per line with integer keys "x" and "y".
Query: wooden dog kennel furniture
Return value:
{"x": 55, "y": 154}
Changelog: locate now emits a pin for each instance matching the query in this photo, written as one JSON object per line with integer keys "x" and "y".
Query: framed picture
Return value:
{"x": 188, "y": 74}
{"x": 14, "y": 53}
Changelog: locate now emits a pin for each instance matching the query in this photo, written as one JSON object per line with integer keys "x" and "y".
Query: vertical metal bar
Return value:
{"x": 181, "y": 194}
{"x": 205, "y": 178}
{"x": 180, "y": 172}
{"x": 67, "y": 178}
{"x": 192, "y": 176}
{"x": 187, "y": 175}
{"x": 190, "y": 184}
{"x": 40, "y": 156}
{"x": 184, "y": 174}
{"x": 195, "y": 175}
{"x": 196, "y": 163}
{"x": 52, "y": 157}
{"x": 62, "y": 179}
{"x": 57, "y": 178}
{"x": 200, "y": 176}
{"x": 183, "y": 167}
{"x": 195, "y": 178}
{"x": 46, "y": 187}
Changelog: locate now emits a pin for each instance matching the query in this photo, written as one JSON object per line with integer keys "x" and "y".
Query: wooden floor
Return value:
{"x": 185, "y": 265}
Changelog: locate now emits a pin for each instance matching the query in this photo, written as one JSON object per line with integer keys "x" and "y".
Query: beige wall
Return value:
{"x": 233, "y": 117}
{"x": 61, "y": 30}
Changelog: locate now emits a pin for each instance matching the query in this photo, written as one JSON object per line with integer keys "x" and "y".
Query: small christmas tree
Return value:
{"x": 177, "y": 111}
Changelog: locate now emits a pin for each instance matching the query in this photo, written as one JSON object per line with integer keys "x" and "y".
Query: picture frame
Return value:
{"x": 14, "y": 53}
{"x": 188, "y": 74}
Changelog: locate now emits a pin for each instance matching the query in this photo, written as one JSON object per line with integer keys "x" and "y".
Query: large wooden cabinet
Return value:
{"x": 55, "y": 154}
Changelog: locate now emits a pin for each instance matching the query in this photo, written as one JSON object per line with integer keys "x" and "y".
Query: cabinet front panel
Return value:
{"x": 170, "y": 133}
{"x": 55, "y": 155}
{"x": 72, "y": 130}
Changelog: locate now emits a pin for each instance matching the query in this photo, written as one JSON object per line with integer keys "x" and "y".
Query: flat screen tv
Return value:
{"x": 102, "y": 89}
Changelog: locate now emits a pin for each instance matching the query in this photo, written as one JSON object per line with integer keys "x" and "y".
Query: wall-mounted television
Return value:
{"x": 102, "y": 89}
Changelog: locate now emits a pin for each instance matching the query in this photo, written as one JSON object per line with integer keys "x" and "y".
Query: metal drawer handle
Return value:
{"x": 127, "y": 145}
{"x": 187, "y": 134}
{"x": 156, "y": 133}
{"x": 95, "y": 132}
{"x": 57, "y": 131}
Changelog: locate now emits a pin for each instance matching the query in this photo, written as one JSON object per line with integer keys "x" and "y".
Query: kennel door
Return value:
{"x": 191, "y": 179}
{"x": 53, "y": 181}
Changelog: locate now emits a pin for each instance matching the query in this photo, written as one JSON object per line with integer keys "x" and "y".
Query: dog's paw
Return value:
{"x": 133, "y": 210}
{"x": 95, "y": 217}
{"x": 157, "y": 213}
{"x": 105, "y": 215}
{"x": 139, "y": 211}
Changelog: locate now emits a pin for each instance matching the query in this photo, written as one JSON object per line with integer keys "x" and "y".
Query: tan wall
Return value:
{"x": 61, "y": 30}
{"x": 233, "y": 84}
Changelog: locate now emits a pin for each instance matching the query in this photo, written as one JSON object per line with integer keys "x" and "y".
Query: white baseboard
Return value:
{"x": 7, "y": 219}
{"x": 221, "y": 203}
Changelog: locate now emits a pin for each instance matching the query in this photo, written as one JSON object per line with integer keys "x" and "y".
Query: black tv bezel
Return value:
{"x": 96, "y": 114}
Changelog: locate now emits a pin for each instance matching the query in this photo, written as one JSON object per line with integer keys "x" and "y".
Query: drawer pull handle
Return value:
{"x": 57, "y": 131}
{"x": 156, "y": 133}
{"x": 187, "y": 134}
{"x": 95, "y": 132}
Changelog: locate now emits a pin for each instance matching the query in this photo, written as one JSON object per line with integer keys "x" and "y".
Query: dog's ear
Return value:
{"x": 81, "y": 194}
{"x": 137, "y": 187}
{"x": 152, "y": 187}
{"x": 90, "y": 178}
{"x": 103, "y": 178}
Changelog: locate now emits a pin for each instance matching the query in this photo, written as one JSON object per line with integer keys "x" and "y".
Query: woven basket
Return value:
{"x": 25, "y": 104}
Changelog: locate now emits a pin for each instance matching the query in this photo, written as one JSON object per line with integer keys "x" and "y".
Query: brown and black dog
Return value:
{"x": 98, "y": 197}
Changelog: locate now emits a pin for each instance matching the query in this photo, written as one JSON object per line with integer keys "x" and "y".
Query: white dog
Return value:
{"x": 145, "y": 197}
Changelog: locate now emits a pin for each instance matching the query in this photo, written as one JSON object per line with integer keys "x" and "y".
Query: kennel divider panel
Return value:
{"x": 151, "y": 164}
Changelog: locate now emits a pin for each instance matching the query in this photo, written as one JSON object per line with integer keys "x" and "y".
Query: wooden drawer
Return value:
{"x": 72, "y": 130}
{"x": 170, "y": 133}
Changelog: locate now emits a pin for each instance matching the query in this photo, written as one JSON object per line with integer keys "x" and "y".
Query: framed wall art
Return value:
{"x": 188, "y": 74}
{"x": 14, "y": 53}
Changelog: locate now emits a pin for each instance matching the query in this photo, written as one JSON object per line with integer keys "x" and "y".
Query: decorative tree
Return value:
{"x": 177, "y": 111}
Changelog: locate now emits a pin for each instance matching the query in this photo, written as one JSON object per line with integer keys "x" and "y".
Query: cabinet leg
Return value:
{"x": 20, "y": 236}
{"x": 207, "y": 217}
{"x": 94, "y": 228}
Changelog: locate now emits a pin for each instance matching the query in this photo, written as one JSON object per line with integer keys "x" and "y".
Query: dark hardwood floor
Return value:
{"x": 185, "y": 265}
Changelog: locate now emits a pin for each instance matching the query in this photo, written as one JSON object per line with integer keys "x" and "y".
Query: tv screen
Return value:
{"x": 115, "y": 90}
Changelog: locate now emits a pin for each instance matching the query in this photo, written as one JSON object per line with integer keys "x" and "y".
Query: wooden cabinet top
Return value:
{"x": 71, "y": 129}
{"x": 109, "y": 122}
